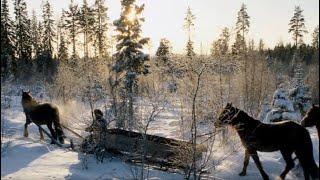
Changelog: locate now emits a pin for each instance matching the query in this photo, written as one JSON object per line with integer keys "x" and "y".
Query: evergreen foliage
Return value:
{"x": 297, "y": 25}
{"x": 7, "y": 41}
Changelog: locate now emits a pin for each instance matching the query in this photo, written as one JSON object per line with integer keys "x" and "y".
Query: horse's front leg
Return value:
{"x": 25, "y": 132}
{"x": 256, "y": 159}
{"x": 245, "y": 163}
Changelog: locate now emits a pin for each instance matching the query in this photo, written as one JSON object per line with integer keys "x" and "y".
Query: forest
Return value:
{"x": 83, "y": 61}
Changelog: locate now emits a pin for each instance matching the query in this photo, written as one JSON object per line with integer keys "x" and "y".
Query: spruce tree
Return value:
{"x": 130, "y": 59}
{"x": 315, "y": 38}
{"x": 86, "y": 22}
{"x": 100, "y": 27}
{"x": 163, "y": 52}
{"x": 62, "y": 43}
{"x": 7, "y": 41}
{"x": 71, "y": 24}
{"x": 48, "y": 24}
{"x": 35, "y": 36}
{"x": 297, "y": 25}
{"x": 22, "y": 41}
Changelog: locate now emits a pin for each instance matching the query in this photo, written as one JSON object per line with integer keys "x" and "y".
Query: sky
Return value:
{"x": 165, "y": 18}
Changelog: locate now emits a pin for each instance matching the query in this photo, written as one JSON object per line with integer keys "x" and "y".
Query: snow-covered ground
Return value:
{"x": 28, "y": 158}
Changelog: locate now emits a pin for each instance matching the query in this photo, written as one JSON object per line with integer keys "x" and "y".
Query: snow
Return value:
{"x": 29, "y": 158}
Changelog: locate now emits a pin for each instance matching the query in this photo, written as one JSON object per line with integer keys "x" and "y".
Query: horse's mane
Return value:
{"x": 244, "y": 114}
{"x": 30, "y": 103}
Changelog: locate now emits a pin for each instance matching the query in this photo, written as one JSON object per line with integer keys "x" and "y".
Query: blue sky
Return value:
{"x": 164, "y": 18}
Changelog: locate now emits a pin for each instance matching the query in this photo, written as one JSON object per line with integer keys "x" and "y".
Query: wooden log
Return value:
{"x": 164, "y": 151}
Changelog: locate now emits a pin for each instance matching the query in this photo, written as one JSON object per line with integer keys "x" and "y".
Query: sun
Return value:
{"x": 132, "y": 15}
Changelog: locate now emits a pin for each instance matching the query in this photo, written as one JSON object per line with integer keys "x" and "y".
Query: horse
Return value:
{"x": 312, "y": 118}
{"x": 41, "y": 114}
{"x": 286, "y": 136}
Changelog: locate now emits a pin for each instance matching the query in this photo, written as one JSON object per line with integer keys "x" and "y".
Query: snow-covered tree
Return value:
{"x": 281, "y": 107}
{"x": 297, "y": 25}
{"x": 7, "y": 40}
{"x": 130, "y": 59}
{"x": 299, "y": 93}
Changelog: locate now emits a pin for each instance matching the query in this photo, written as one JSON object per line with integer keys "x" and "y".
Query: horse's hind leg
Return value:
{"x": 53, "y": 133}
{"x": 256, "y": 159}
{"x": 245, "y": 163}
{"x": 41, "y": 134}
{"x": 289, "y": 162}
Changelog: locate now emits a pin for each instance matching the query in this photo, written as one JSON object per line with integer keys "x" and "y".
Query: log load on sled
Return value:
{"x": 159, "y": 151}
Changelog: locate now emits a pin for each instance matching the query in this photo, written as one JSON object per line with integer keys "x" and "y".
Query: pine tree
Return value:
{"x": 315, "y": 38}
{"x": 243, "y": 24}
{"x": 22, "y": 41}
{"x": 7, "y": 41}
{"x": 100, "y": 27}
{"x": 297, "y": 25}
{"x": 189, "y": 25}
{"x": 239, "y": 46}
{"x": 71, "y": 24}
{"x": 130, "y": 59}
{"x": 86, "y": 22}
{"x": 261, "y": 46}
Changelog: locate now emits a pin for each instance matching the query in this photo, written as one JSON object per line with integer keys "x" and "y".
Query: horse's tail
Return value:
{"x": 57, "y": 126}
{"x": 305, "y": 155}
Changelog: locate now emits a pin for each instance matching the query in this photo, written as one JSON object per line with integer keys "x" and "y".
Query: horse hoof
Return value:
{"x": 242, "y": 173}
{"x": 265, "y": 177}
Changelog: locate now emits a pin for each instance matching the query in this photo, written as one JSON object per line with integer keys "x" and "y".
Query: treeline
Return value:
{"x": 32, "y": 46}
{"x": 76, "y": 49}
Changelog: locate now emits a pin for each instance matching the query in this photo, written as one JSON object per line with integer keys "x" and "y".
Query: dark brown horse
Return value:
{"x": 41, "y": 114}
{"x": 287, "y": 136}
{"x": 312, "y": 118}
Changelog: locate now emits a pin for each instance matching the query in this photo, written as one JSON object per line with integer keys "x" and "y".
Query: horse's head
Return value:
{"x": 311, "y": 118}
{"x": 227, "y": 116}
{"x": 98, "y": 114}
{"x": 26, "y": 95}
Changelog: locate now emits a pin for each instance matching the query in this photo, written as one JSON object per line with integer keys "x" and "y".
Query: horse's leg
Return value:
{"x": 26, "y": 133}
{"x": 245, "y": 163}
{"x": 53, "y": 133}
{"x": 256, "y": 159}
{"x": 41, "y": 134}
{"x": 289, "y": 162}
